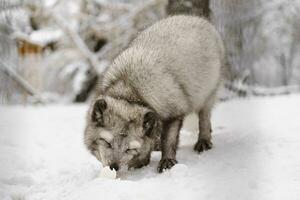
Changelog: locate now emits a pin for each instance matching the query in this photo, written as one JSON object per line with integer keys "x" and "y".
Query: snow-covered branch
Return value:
{"x": 243, "y": 90}
{"x": 79, "y": 43}
{"x": 21, "y": 81}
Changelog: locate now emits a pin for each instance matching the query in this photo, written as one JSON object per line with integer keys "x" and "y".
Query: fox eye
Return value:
{"x": 104, "y": 142}
{"x": 131, "y": 151}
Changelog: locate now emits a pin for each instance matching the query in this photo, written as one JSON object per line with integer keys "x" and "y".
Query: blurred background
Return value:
{"x": 56, "y": 50}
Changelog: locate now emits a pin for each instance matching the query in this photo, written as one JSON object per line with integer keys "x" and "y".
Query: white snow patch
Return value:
{"x": 106, "y": 172}
{"x": 46, "y": 36}
{"x": 255, "y": 156}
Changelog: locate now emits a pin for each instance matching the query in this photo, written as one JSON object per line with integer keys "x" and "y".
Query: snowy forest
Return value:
{"x": 53, "y": 56}
{"x": 56, "y": 50}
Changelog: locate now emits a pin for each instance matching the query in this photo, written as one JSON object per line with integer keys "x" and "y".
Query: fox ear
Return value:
{"x": 149, "y": 123}
{"x": 97, "y": 113}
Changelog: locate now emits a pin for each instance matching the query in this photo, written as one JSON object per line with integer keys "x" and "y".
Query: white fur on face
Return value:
{"x": 134, "y": 144}
{"x": 107, "y": 136}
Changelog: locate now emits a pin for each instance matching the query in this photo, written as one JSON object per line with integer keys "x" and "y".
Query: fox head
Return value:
{"x": 120, "y": 133}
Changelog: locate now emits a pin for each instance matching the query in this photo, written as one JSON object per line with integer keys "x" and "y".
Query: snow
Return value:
{"x": 46, "y": 36}
{"x": 255, "y": 156}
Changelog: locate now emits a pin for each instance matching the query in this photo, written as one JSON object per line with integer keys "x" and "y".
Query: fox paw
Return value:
{"x": 166, "y": 163}
{"x": 202, "y": 145}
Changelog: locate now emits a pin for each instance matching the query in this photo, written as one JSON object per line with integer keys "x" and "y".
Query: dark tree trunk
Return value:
{"x": 190, "y": 7}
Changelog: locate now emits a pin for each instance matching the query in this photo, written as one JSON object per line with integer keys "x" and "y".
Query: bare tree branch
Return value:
{"x": 22, "y": 82}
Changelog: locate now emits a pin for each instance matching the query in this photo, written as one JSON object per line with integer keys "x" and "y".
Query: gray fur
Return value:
{"x": 172, "y": 68}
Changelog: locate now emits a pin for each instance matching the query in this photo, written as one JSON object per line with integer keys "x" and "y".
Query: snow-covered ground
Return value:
{"x": 255, "y": 156}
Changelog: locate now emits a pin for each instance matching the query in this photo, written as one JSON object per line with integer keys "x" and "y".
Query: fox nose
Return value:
{"x": 114, "y": 166}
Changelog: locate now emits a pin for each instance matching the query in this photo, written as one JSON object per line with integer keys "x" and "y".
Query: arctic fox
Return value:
{"x": 171, "y": 69}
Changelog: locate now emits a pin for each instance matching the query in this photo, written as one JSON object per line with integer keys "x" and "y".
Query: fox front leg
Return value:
{"x": 169, "y": 143}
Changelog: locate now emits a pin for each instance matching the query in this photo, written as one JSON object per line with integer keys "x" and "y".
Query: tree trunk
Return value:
{"x": 190, "y": 7}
